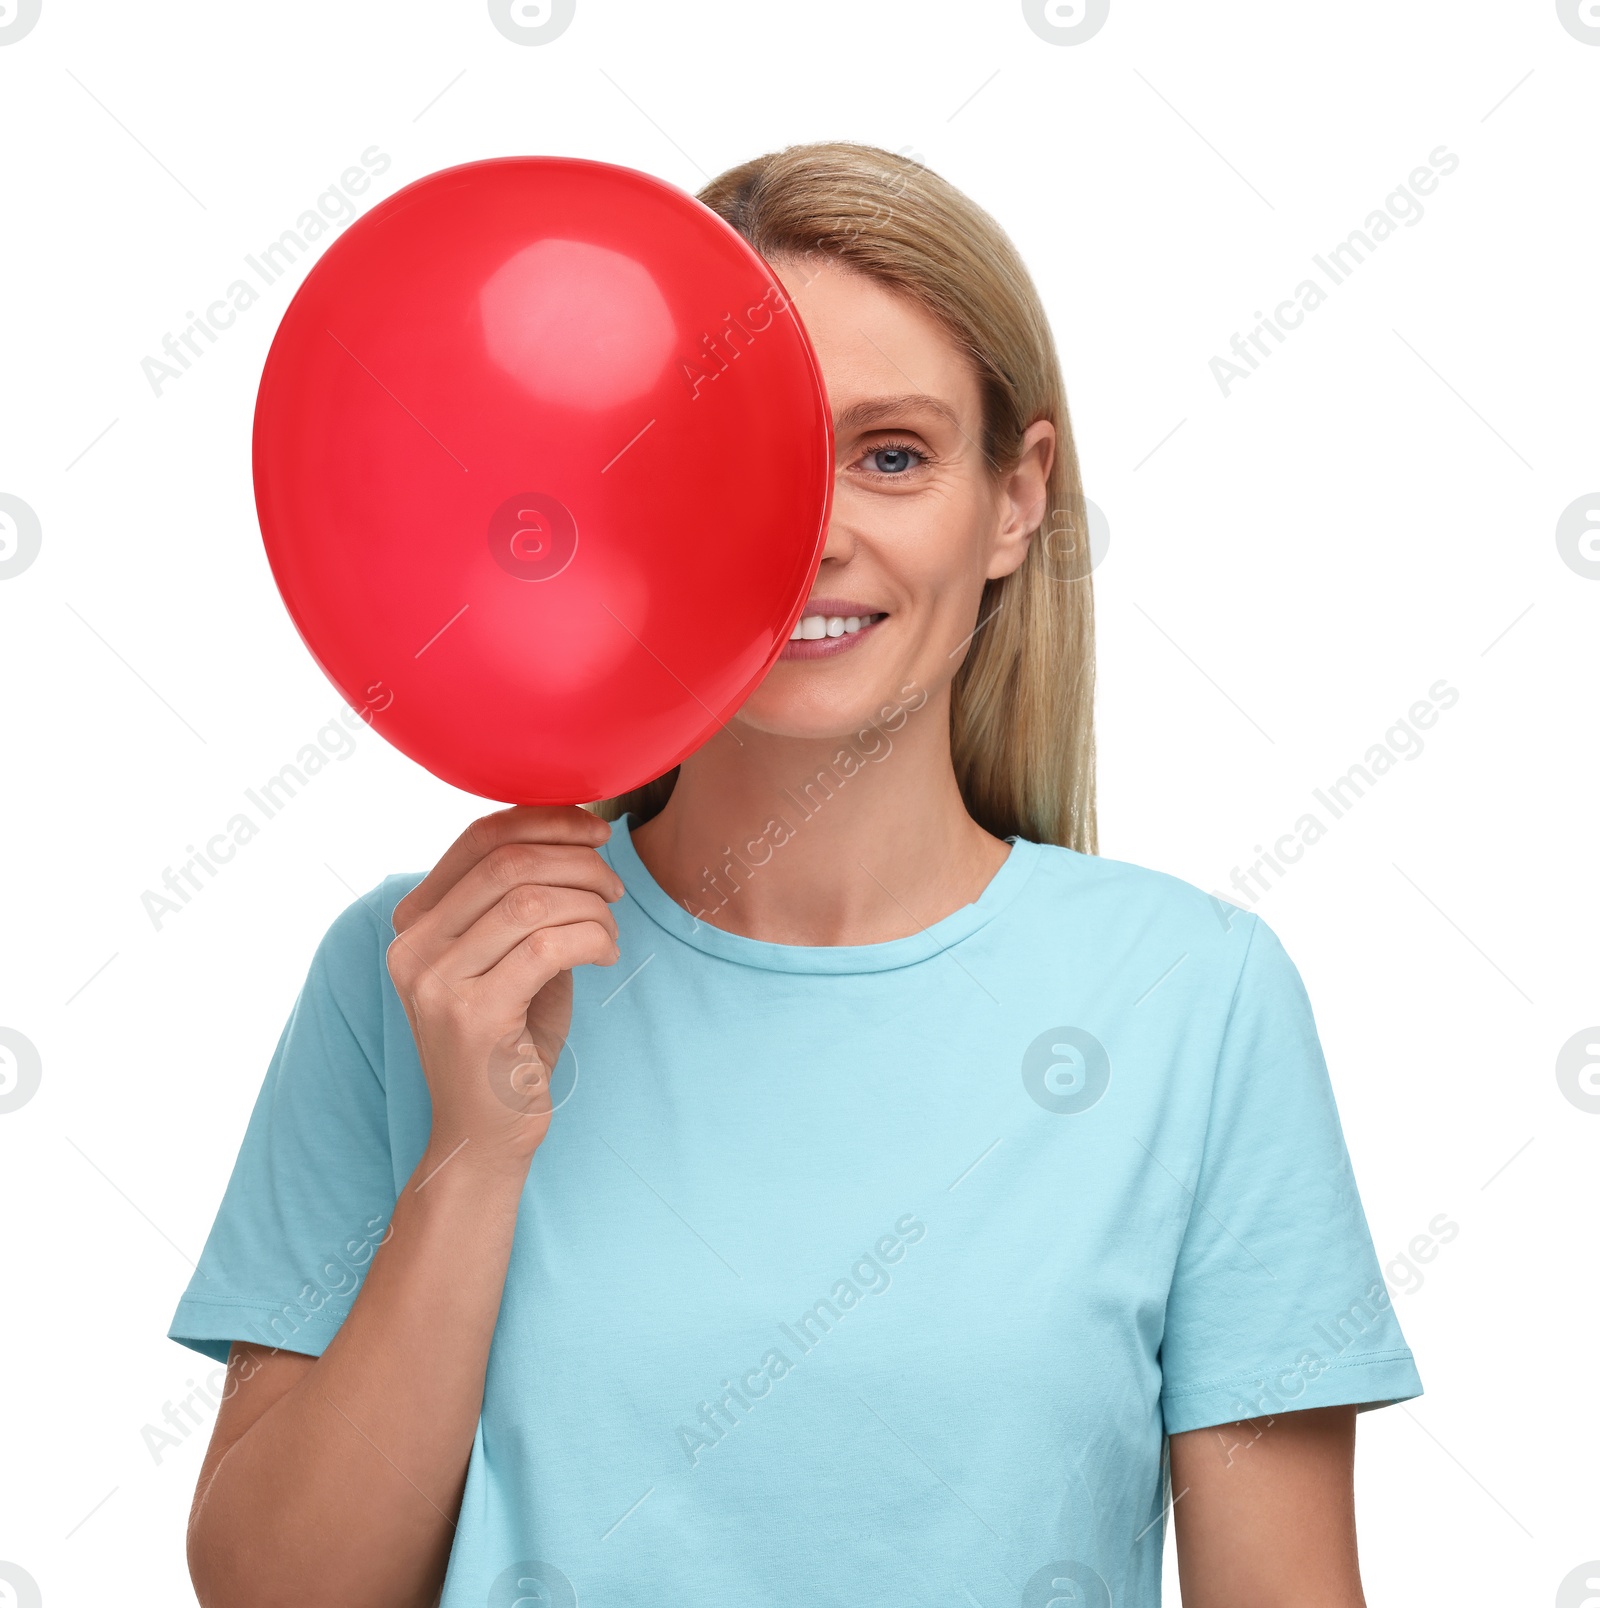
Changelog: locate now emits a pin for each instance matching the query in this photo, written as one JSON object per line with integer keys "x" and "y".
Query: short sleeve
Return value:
{"x": 313, "y": 1187}
{"x": 1277, "y": 1302}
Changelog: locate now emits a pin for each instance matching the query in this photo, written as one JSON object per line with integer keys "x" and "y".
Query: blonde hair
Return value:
{"x": 1022, "y": 703}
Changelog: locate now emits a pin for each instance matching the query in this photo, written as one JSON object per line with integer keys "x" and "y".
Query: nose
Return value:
{"x": 840, "y": 545}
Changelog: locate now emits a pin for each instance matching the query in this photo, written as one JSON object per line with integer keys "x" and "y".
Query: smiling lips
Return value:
{"x": 828, "y": 626}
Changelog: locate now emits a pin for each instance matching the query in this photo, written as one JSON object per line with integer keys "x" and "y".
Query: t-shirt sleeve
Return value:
{"x": 313, "y": 1187}
{"x": 1277, "y": 1302}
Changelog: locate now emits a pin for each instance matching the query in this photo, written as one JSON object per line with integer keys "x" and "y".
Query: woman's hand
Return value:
{"x": 482, "y": 961}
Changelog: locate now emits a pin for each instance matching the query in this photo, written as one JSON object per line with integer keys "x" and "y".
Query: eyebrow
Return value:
{"x": 878, "y": 408}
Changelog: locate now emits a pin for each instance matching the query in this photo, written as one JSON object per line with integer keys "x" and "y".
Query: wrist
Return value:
{"x": 451, "y": 1162}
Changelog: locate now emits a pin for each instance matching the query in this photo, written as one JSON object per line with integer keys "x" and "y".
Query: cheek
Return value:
{"x": 943, "y": 573}
{"x": 932, "y": 546}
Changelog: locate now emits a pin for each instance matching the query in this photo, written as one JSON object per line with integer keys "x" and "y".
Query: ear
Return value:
{"x": 1024, "y": 492}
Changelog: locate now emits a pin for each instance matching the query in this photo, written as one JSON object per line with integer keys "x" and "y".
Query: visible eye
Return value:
{"x": 894, "y": 459}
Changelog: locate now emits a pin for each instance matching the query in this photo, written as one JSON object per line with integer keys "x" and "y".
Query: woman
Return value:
{"x": 829, "y": 1182}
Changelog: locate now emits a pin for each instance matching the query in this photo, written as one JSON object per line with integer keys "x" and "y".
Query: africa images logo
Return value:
{"x": 1403, "y": 206}
{"x": 1066, "y": 22}
{"x": 17, "y": 20}
{"x": 532, "y": 22}
{"x": 20, "y": 534}
{"x": 1065, "y": 1070}
{"x": 532, "y": 1583}
{"x": 718, "y": 1418}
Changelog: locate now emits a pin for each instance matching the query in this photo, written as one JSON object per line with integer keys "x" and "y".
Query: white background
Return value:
{"x": 1291, "y": 567}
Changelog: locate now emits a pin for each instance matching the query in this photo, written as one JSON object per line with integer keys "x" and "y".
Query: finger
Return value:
{"x": 523, "y": 910}
{"x": 510, "y": 866}
{"x": 522, "y": 823}
{"x": 539, "y": 1039}
{"x": 539, "y": 957}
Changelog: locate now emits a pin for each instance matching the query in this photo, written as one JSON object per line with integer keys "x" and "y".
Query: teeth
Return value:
{"x": 813, "y": 627}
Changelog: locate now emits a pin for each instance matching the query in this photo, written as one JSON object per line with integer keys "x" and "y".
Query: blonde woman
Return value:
{"x": 827, "y": 1182}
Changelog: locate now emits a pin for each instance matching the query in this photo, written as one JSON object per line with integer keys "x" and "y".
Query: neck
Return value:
{"x": 825, "y": 841}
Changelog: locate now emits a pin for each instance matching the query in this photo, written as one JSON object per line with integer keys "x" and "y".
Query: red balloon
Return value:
{"x": 543, "y": 463}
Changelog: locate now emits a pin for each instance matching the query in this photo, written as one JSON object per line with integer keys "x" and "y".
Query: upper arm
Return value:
{"x": 314, "y": 1183}
{"x": 257, "y": 1377}
{"x": 1277, "y": 1304}
{"x": 1264, "y": 1511}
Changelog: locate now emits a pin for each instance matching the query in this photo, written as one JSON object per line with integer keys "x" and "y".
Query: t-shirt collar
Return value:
{"x": 666, "y": 913}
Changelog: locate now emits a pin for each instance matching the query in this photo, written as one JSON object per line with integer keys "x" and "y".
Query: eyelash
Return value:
{"x": 922, "y": 456}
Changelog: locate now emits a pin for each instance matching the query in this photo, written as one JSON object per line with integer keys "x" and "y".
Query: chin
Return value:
{"x": 807, "y": 728}
{"x": 809, "y": 719}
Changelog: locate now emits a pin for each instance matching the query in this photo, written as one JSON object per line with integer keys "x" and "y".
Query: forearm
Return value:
{"x": 345, "y": 1490}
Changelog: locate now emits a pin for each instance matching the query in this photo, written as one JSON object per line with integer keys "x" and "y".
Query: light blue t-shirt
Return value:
{"x": 854, "y": 1275}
